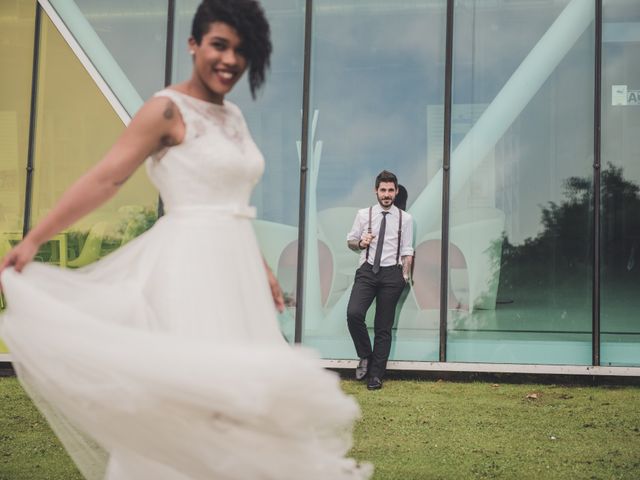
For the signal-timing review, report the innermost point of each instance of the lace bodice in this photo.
(217, 163)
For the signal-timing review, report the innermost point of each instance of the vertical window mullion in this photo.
(32, 122)
(446, 160)
(302, 214)
(595, 333)
(168, 64)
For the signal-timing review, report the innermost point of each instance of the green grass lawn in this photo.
(427, 429)
(28, 448)
(424, 430)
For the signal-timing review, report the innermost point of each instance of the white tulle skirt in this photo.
(164, 360)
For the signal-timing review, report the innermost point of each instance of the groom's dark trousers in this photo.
(386, 287)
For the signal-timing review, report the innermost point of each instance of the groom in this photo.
(383, 235)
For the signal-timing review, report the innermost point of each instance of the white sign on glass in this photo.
(622, 96)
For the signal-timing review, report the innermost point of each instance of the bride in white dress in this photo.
(164, 360)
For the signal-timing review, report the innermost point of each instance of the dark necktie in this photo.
(383, 227)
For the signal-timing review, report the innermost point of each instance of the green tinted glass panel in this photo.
(520, 261)
(17, 21)
(16, 51)
(620, 233)
(377, 88)
(274, 120)
(75, 126)
(121, 35)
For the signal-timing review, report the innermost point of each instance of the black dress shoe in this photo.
(374, 383)
(362, 368)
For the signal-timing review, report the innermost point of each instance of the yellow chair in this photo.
(134, 215)
(92, 246)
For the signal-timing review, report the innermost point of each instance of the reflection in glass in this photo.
(274, 120)
(75, 126)
(377, 89)
(620, 232)
(16, 54)
(125, 40)
(520, 271)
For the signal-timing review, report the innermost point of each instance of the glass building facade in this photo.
(511, 123)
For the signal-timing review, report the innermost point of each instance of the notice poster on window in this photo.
(621, 95)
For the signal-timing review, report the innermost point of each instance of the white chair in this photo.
(474, 259)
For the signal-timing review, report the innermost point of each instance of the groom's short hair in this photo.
(386, 176)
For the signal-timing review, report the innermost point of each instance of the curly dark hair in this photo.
(401, 197)
(248, 19)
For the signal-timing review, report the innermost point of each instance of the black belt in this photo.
(382, 267)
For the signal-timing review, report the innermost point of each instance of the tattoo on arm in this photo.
(407, 263)
(167, 140)
(119, 183)
(168, 110)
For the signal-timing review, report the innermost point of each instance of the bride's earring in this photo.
(192, 52)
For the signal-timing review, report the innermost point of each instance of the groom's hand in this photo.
(276, 291)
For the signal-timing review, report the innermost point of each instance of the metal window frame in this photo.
(595, 369)
(85, 61)
(168, 66)
(446, 166)
(509, 368)
(304, 154)
(35, 67)
(597, 123)
(446, 181)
